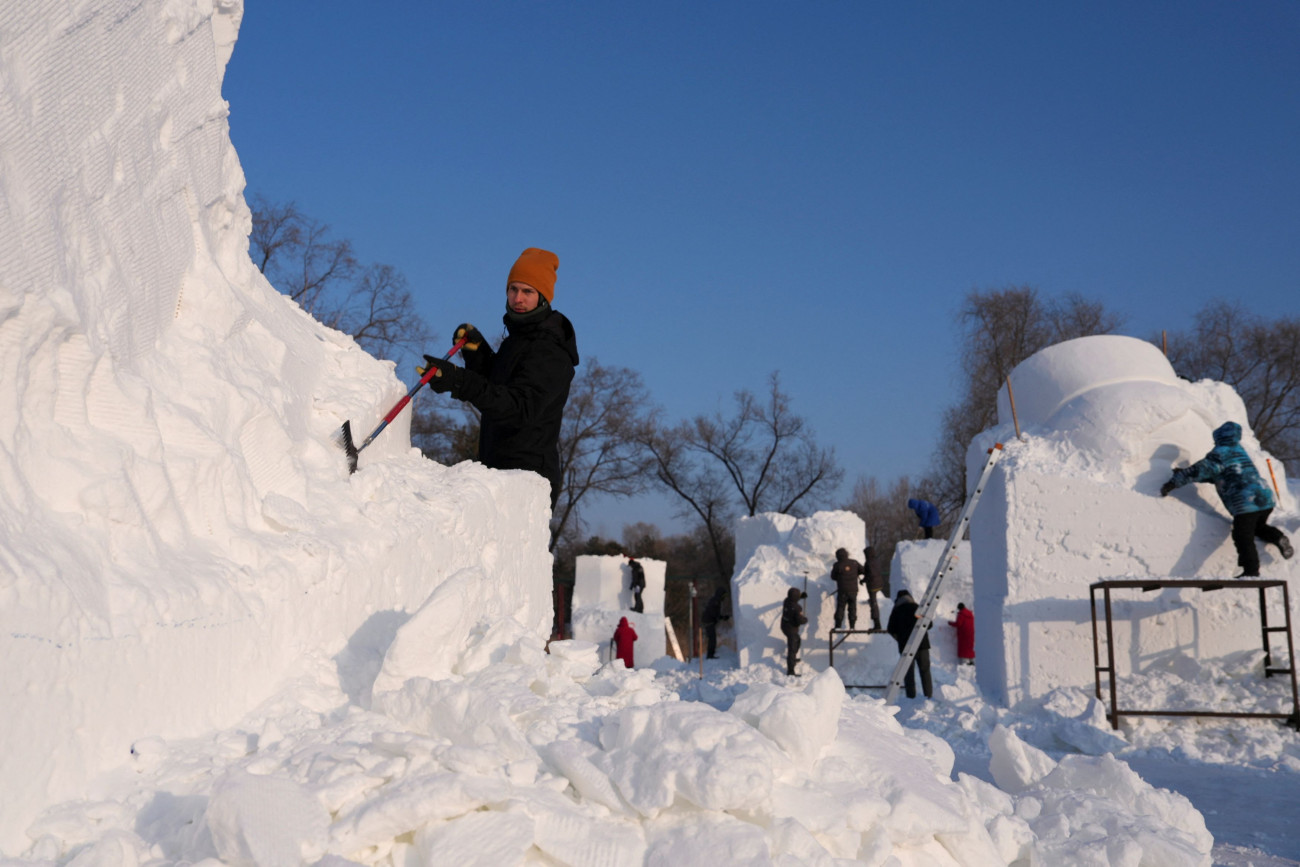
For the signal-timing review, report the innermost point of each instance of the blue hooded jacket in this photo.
(926, 512)
(1230, 469)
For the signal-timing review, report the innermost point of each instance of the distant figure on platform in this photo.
(965, 624)
(845, 574)
(874, 584)
(637, 585)
(1247, 498)
(791, 619)
(927, 514)
(712, 614)
(624, 638)
(901, 622)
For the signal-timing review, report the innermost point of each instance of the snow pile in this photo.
(1076, 501)
(176, 527)
(775, 552)
(524, 757)
(602, 595)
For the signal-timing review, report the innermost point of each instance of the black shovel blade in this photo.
(344, 438)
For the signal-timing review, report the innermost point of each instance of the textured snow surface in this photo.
(176, 527)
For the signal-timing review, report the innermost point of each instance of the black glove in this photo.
(473, 337)
(1167, 487)
(448, 377)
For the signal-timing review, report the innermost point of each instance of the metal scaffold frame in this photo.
(1149, 584)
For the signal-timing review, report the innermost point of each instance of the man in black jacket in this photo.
(874, 584)
(712, 614)
(845, 574)
(521, 388)
(792, 617)
(902, 620)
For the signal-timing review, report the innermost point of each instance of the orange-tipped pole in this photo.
(1273, 476)
(1164, 343)
(1014, 418)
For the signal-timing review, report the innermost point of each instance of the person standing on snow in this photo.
(520, 389)
(902, 620)
(637, 584)
(709, 618)
(965, 624)
(624, 638)
(1248, 499)
(927, 514)
(791, 619)
(874, 585)
(845, 574)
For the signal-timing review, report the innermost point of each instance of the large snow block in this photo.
(775, 552)
(180, 534)
(602, 594)
(1076, 501)
(606, 581)
(597, 625)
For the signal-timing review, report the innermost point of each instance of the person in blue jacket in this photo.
(927, 514)
(1242, 491)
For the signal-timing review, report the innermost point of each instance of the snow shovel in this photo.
(344, 435)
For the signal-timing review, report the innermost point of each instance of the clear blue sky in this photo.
(735, 188)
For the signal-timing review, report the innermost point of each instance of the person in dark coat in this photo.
(521, 388)
(845, 573)
(965, 624)
(792, 618)
(1243, 492)
(927, 514)
(637, 584)
(874, 584)
(902, 620)
(624, 638)
(709, 618)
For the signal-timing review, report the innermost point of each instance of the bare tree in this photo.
(378, 311)
(1001, 328)
(301, 258)
(599, 452)
(762, 458)
(444, 433)
(1259, 358)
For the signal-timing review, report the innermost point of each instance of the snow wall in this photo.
(602, 594)
(177, 530)
(1076, 500)
(775, 552)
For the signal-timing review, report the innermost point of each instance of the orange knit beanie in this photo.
(537, 268)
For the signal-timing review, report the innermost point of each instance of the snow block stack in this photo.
(180, 532)
(602, 594)
(1076, 501)
(775, 552)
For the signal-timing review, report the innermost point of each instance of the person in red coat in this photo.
(965, 624)
(624, 638)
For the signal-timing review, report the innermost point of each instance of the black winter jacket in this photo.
(792, 616)
(520, 390)
(845, 575)
(902, 620)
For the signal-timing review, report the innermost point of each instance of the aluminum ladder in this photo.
(925, 609)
